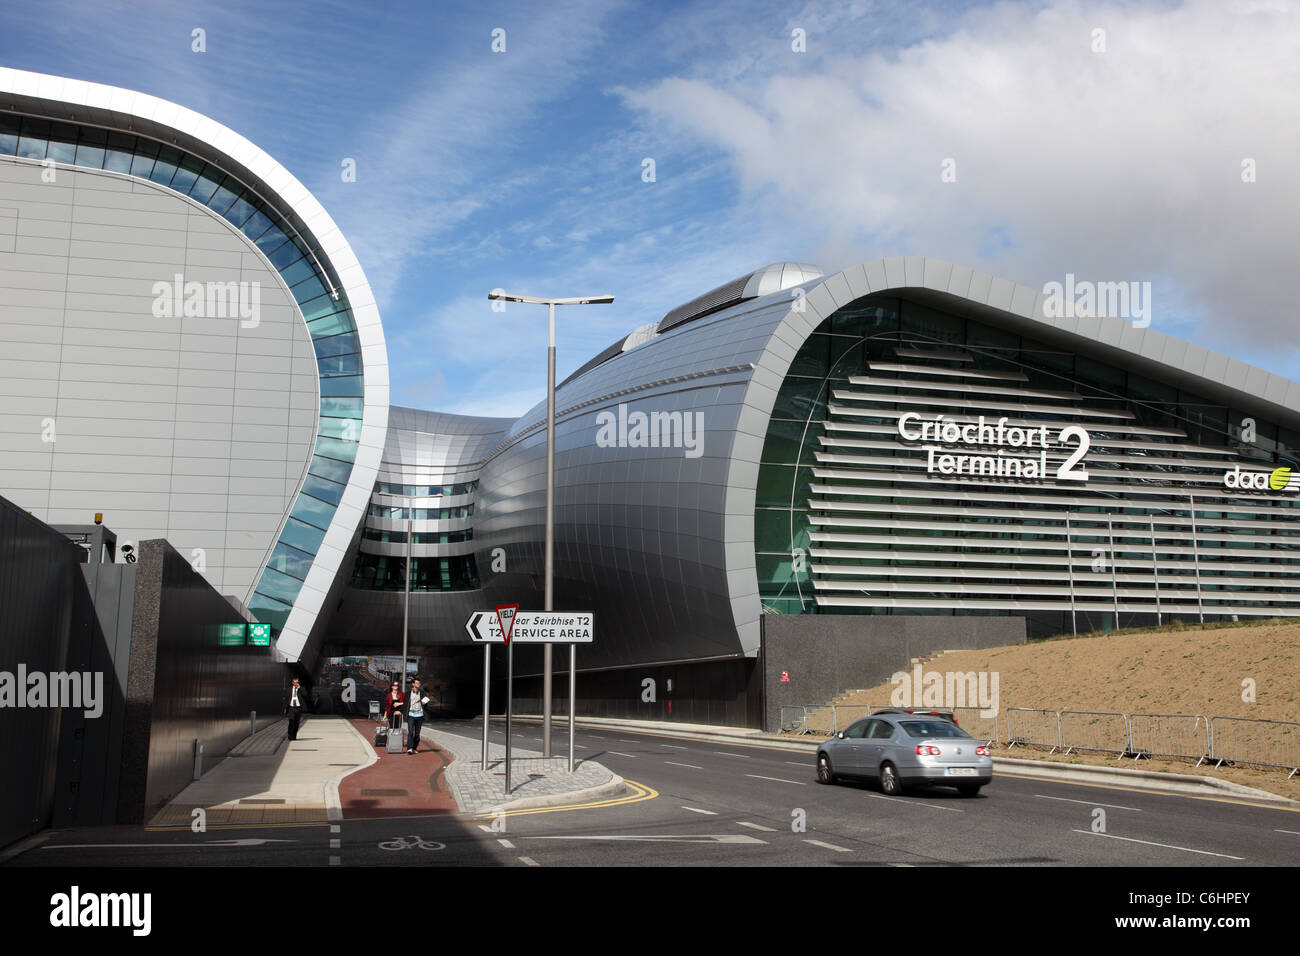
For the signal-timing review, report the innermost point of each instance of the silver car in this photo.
(902, 750)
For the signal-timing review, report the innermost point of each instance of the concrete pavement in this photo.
(269, 779)
(333, 771)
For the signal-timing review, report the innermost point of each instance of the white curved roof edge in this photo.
(296, 197)
(937, 275)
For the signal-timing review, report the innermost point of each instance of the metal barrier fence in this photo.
(1170, 735)
(1217, 740)
(1094, 730)
(971, 720)
(794, 718)
(1030, 727)
(1264, 743)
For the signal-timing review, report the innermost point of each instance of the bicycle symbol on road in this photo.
(410, 843)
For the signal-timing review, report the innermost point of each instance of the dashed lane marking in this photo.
(1089, 803)
(829, 846)
(755, 826)
(507, 844)
(913, 803)
(759, 776)
(725, 754)
(708, 813)
(691, 765)
(621, 754)
(1167, 846)
(528, 861)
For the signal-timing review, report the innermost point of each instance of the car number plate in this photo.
(962, 771)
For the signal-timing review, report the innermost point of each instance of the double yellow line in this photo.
(640, 793)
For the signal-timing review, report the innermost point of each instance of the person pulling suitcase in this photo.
(414, 716)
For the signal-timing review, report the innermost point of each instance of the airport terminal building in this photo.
(907, 442)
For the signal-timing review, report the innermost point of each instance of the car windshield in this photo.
(932, 728)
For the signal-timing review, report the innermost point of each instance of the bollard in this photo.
(198, 757)
(252, 722)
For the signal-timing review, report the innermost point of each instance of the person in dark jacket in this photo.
(393, 705)
(295, 702)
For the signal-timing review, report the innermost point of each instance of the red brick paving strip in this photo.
(420, 775)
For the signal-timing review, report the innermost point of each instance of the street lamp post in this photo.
(499, 295)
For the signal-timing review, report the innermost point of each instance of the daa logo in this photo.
(1279, 479)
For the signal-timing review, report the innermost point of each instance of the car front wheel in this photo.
(890, 784)
(824, 772)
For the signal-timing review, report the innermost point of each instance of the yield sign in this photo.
(506, 618)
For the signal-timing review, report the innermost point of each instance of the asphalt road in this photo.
(708, 804)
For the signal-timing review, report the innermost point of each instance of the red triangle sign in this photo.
(506, 619)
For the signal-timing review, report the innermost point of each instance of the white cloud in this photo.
(1117, 165)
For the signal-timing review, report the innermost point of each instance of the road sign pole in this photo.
(550, 534)
(487, 697)
(506, 614)
(510, 687)
(573, 674)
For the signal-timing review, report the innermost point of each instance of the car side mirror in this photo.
(839, 734)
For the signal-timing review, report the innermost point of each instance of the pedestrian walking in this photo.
(394, 703)
(414, 716)
(294, 705)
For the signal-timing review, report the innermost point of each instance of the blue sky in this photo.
(1113, 160)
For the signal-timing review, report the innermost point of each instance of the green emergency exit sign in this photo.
(259, 635)
(232, 635)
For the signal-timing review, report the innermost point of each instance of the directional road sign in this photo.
(534, 627)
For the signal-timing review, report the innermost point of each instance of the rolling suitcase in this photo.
(395, 740)
(381, 735)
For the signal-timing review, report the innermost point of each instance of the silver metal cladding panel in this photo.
(639, 529)
(169, 426)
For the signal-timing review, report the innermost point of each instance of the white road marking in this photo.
(1089, 803)
(621, 754)
(734, 839)
(627, 741)
(528, 861)
(336, 844)
(482, 826)
(1292, 832)
(336, 829)
(755, 826)
(1167, 846)
(725, 754)
(675, 746)
(707, 813)
(691, 765)
(913, 803)
(334, 861)
(759, 776)
(900, 864)
(597, 736)
(507, 844)
(829, 846)
(800, 763)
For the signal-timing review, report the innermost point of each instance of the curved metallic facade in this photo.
(431, 467)
(51, 123)
(660, 541)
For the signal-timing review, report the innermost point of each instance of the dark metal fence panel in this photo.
(39, 582)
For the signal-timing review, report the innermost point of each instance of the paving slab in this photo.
(536, 781)
(268, 779)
